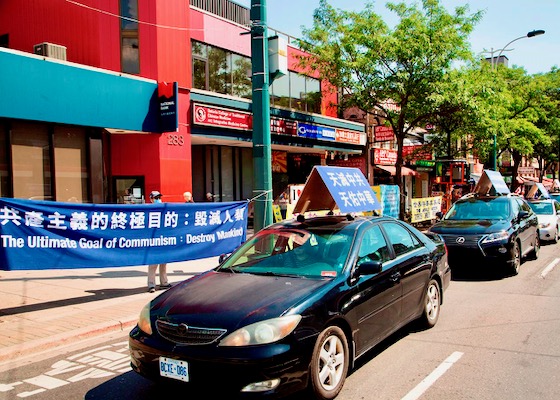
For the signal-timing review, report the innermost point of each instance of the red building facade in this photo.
(164, 42)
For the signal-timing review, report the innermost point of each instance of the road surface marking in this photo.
(434, 376)
(549, 267)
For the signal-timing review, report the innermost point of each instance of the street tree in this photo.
(548, 122)
(392, 69)
(514, 109)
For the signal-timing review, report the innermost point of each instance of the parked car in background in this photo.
(293, 307)
(548, 214)
(496, 230)
(555, 196)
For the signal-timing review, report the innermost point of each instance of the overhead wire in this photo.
(76, 3)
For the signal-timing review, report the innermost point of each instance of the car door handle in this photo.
(395, 277)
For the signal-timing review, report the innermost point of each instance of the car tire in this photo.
(555, 238)
(432, 303)
(534, 254)
(329, 363)
(515, 259)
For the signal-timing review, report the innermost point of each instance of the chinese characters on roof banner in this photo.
(51, 235)
(425, 209)
(349, 189)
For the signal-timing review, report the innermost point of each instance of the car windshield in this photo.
(477, 209)
(292, 252)
(555, 196)
(542, 208)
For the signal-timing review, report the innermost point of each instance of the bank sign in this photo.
(52, 235)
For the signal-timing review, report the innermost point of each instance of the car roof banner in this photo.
(328, 188)
(56, 235)
(491, 180)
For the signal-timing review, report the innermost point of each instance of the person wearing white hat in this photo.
(155, 197)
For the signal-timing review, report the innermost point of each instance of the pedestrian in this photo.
(188, 197)
(155, 197)
(209, 197)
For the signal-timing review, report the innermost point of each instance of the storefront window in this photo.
(280, 92)
(199, 74)
(242, 85)
(313, 95)
(71, 176)
(31, 161)
(130, 56)
(218, 70)
(297, 91)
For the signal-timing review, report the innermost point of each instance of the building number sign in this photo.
(175, 140)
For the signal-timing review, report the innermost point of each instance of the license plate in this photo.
(175, 369)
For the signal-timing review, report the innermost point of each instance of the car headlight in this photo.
(544, 225)
(496, 237)
(144, 320)
(268, 331)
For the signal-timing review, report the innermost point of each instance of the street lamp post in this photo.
(494, 66)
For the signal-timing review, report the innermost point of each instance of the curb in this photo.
(11, 353)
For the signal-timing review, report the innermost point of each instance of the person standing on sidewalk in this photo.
(188, 197)
(155, 197)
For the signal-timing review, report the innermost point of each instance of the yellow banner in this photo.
(425, 209)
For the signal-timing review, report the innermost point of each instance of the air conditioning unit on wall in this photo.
(50, 50)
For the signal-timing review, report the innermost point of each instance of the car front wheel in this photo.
(329, 363)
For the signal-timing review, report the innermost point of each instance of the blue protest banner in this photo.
(52, 235)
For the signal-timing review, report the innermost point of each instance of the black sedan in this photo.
(293, 307)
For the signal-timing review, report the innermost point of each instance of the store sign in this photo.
(526, 171)
(168, 115)
(316, 132)
(384, 156)
(425, 163)
(222, 117)
(412, 153)
(353, 137)
(281, 126)
(54, 235)
(383, 134)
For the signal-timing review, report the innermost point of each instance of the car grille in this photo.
(471, 241)
(184, 334)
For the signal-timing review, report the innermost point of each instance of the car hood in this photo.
(231, 300)
(551, 219)
(470, 227)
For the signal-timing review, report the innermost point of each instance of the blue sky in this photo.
(503, 21)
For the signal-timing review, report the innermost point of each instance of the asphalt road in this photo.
(497, 338)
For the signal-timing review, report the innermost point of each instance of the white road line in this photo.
(434, 376)
(549, 267)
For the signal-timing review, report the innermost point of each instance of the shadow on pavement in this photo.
(102, 294)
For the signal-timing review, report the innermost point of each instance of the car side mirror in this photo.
(369, 268)
(222, 258)
(522, 214)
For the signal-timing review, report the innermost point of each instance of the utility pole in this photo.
(262, 155)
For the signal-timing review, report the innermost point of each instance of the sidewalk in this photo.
(43, 309)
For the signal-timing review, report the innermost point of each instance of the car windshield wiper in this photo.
(270, 273)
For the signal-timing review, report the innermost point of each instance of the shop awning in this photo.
(393, 170)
